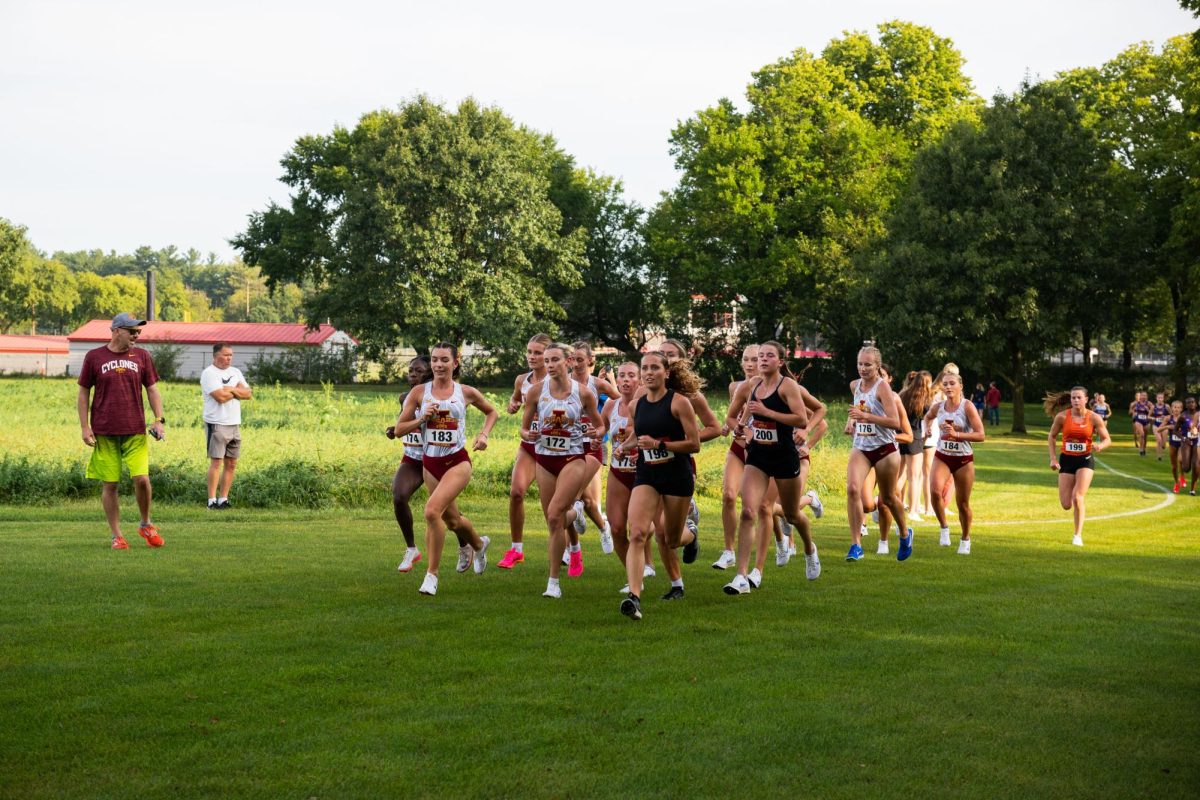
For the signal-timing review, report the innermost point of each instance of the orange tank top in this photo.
(1077, 436)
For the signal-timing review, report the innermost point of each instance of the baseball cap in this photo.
(124, 320)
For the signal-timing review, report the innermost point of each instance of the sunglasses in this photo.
(134, 332)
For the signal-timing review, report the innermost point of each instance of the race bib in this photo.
(535, 425)
(555, 442)
(442, 430)
(659, 455)
(764, 432)
(412, 438)
(1075, 448)
(625, 463)
(951, 446)
(864, 429)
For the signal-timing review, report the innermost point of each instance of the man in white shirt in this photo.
(223, 387)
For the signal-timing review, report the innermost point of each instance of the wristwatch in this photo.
(163, 420)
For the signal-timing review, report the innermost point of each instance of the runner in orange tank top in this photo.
(1074, 463)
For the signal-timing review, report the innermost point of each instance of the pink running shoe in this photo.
(576, 567)
(512, 557)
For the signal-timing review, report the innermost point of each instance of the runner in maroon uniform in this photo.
(116, 429)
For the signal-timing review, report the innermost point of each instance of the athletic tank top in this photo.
(1077, 436)
(767, 432)
(620, 425)
(583, 420)
(1173, 436)
(1161, 412)
(414, 440)
(525, 384)
(1101, 409)
(560, 432)
(445, 432)
(656, 421)
(958, 418)
(1190, 429)
(1141, 412)
(868, 435)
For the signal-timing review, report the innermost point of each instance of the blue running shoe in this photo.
(905, 549)
(855, 553)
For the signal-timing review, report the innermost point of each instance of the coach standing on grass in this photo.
(223, 387)
(117, 429)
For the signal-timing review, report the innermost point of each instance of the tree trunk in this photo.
(1179, 362)
(1086, 332)
(1017, 380)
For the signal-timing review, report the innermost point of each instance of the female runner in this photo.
(1158, 421)
(805, 439)
(917, 399)
(525, 467)
(1100, 406)
(1174, 442)
(960, 425)
(409, 475)
(904, 437)
(664, 431)
(1139, 410)
(618, 419)
(735, 463)
(1188, 429)
(441, 412)
(875, 420)
(558, 405)
(774, 407)
(1075, 465)
(582, 362)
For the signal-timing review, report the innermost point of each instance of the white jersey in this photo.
(560, 432)
(621, 426)
(445, 433)
(414, 440)
(868, 435)
(957, 418)
(525, 385)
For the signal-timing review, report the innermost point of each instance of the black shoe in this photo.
(224, 505)
(213, 505)
(676, 593)
(691, 549)
(632, 607)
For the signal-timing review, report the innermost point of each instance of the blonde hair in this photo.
(872, 350)
(952, 368)
(542, 339)
(567, 350)
(587, 348)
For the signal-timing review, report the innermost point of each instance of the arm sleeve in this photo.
(209, 381)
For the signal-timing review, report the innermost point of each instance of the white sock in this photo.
(519, 547)
(552, 582)
(678, 583)
(574, 548)
(212, 501)
(222, 499)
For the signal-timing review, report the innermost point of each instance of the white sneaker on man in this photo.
(481, 556)
(429, 585)
(606, 542)
(465, 554)
(812, 564)
(781, 553)
(944, 537)
(726, 560)
(964, 547)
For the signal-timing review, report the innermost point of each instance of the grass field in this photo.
(277, 653)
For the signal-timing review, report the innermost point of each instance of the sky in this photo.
(131, 122)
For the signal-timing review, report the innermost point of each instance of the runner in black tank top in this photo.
(770, 446)
(668, 473)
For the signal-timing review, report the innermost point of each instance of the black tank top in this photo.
(656, 420)
(766, 432)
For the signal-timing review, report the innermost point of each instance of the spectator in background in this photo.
(223, 387)
(115, 429)
(977, 398)
(992, 402)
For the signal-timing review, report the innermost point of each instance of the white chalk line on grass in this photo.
(1171, 497)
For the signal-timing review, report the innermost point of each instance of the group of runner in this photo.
(1175, 429)
(918, 441)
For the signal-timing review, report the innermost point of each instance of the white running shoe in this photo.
(580, 518)
(818, 508)
(812, 564)
(781, 553)
(755, 578)
(429, 585)
(567, 556)
(791, 546)
(693, 516)
(481, 556)
(882, 549)
(606, 542)
(863, 530)
(625, 589)
(1077, 541)
(964, 547)
(913, 516)
(739, 585)
(465, 554)
(411, 556)
(726, 560)
(875, 513)
(785, 527)
(553, 590)
(944, 537)
(648, 572)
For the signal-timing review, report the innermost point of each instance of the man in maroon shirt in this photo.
(992, 401)
(116, 431)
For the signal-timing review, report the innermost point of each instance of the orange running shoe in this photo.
(150, 534)
(119, 543)
(512, 557)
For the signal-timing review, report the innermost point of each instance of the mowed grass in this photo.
(278, 653)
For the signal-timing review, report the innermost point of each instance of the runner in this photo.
(904, 438)
(916, 396)
(582, 362)
(525, 467)
(1175, 441)
(664, 424)
(960, 425)
(618, 420)
(1158, 422)
(1075, 465)
(874, 420)
(1188, 429)
(1139, 411)
(735, 463)
(805, 440)
(440, 411)
(558, 404)
(1100, 406)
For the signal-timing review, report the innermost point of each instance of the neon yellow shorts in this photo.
(111, 452)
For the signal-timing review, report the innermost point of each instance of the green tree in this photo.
(52, 296)
(103, 297)
(776, 206)
(421, 224)
(16, 274)
(994, 237)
